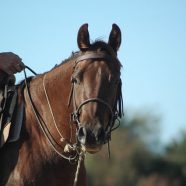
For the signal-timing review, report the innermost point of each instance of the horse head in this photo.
(96, 88)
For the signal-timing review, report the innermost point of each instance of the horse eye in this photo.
(75, 80)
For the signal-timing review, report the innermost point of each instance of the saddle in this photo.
(10, 118)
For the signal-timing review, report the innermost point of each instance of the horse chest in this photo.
(52, 174)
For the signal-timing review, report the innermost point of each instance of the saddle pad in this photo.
(16, 124)
(11, 130)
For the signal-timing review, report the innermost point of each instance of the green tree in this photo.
(176, 151)
(134, 159)
(133, 138)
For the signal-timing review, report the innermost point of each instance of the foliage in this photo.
(134, 161)
(176, 151)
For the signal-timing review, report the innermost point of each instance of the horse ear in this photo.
(115, 37)
(83, 37)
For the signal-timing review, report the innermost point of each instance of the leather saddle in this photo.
(11, 114)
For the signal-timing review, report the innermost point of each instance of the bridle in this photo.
(113, 112)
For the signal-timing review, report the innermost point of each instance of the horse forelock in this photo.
(102, 45)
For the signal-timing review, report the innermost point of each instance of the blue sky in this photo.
(153, 51)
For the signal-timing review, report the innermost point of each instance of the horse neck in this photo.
(57, 85)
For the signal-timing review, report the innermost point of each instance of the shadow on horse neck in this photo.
(70, 108)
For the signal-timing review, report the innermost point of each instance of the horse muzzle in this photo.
(92, 139)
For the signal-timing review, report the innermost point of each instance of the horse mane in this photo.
(71, 57)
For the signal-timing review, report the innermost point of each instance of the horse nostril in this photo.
(101, 135)
(82, 135)
(91, 137)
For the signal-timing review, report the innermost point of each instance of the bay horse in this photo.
(68, 111)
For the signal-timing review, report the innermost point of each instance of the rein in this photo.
(78, 148)
(44, 128)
